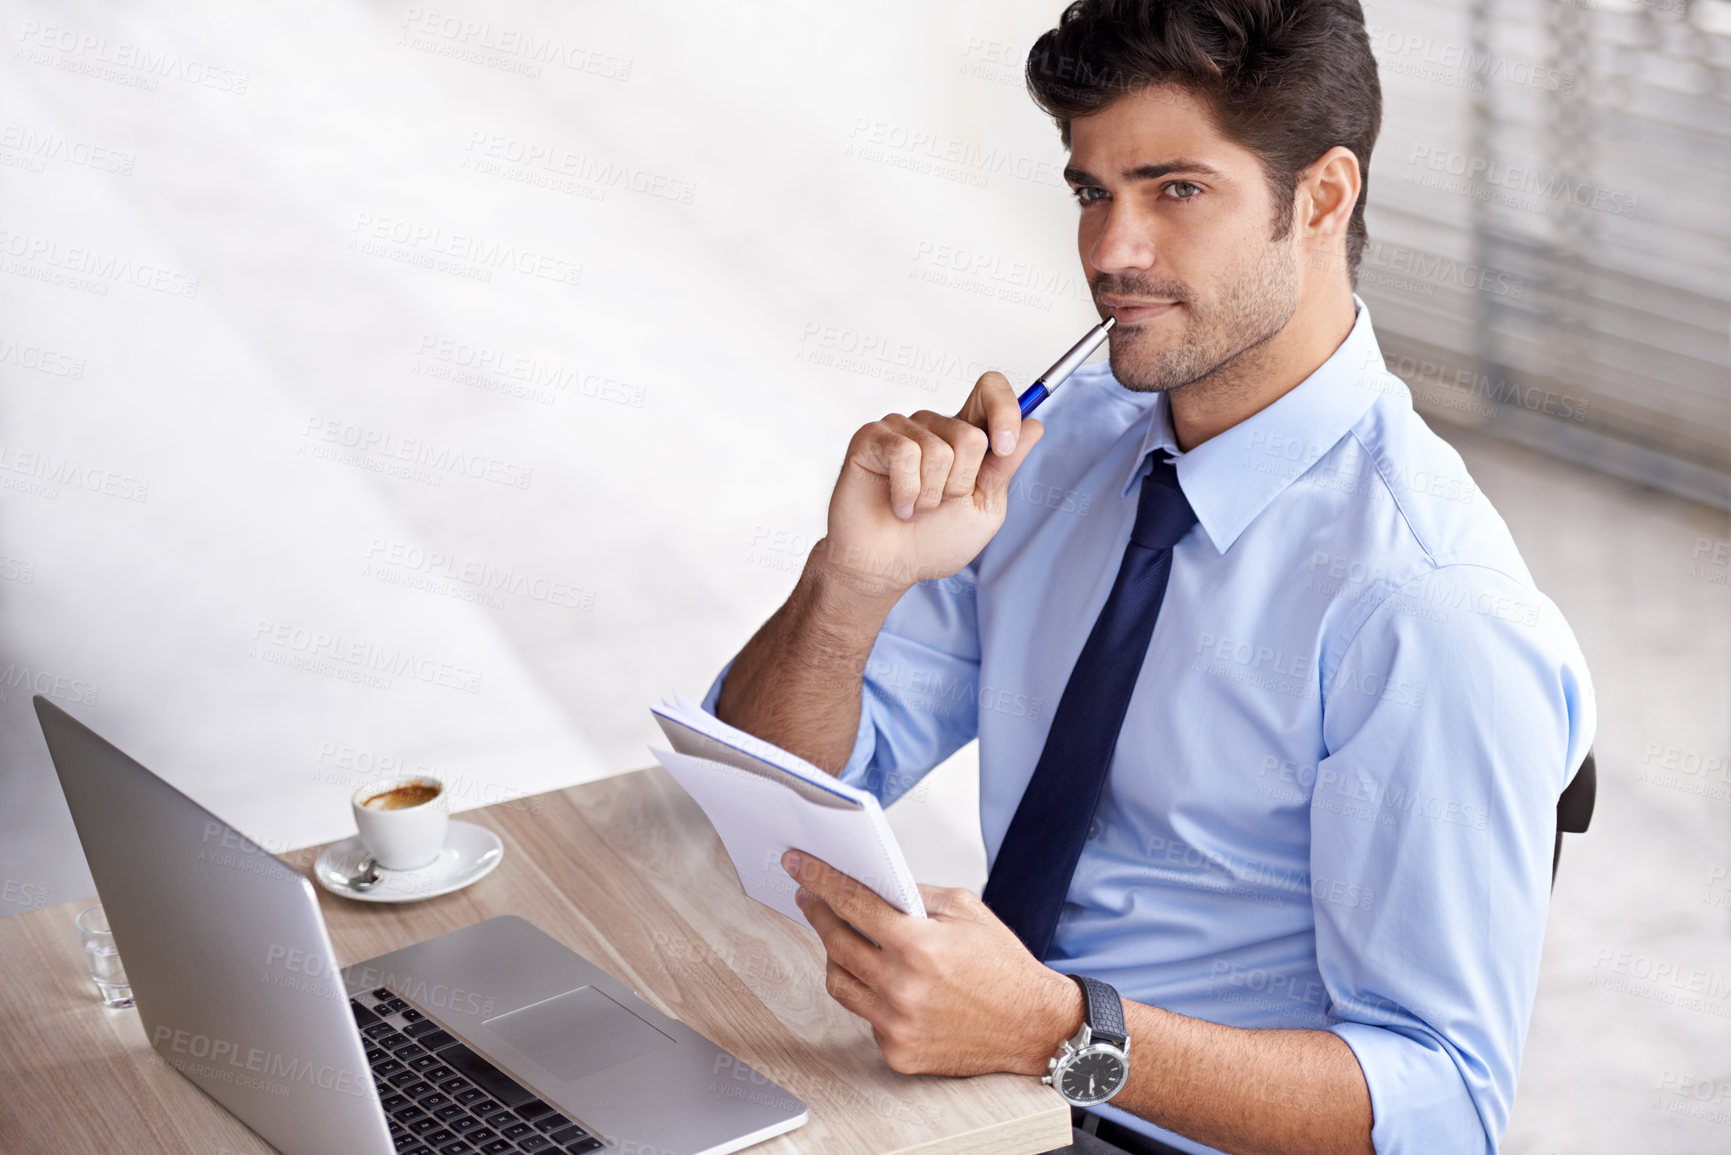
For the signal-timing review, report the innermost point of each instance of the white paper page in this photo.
(759, 820)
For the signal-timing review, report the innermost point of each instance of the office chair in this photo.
(1575, 808)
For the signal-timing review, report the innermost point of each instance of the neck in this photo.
(1264, 373)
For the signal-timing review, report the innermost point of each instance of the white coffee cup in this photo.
(402, 820)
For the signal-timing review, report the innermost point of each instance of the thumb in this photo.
(993, 479)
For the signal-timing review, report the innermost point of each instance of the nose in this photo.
(1122, 240)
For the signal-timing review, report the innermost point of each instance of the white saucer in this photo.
(470, 854)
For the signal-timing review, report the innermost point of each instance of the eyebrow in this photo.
(1146, 172)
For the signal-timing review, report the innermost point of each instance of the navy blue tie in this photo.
(1031, 874)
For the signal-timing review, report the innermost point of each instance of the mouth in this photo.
(1132, 312)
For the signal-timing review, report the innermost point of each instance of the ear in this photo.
(1327, 192)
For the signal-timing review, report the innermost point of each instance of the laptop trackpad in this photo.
(577, 1033)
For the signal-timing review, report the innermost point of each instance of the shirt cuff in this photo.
(864, 741)
(1418, 1100)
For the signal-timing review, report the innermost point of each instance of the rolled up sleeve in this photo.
(919, 701)
(1452, 722)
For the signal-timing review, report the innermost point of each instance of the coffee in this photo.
(402, 797)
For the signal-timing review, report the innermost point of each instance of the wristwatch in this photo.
(1094, 1063)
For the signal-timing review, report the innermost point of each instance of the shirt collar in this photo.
(1231, 478)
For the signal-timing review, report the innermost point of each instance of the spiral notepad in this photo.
(764, 801)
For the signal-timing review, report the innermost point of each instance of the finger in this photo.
(941, 901)
(995, 472)
(968, 444)
(846, 989)
(841, 942)
(936, 456)
(881, 449)
(847, 897)
(954, 903)
(1001, 414)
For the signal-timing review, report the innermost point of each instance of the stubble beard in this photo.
(1222, 335)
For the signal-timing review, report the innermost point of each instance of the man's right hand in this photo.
(920, 496)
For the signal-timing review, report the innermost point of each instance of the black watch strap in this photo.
(1105, 1010)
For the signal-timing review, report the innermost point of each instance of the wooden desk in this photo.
(627, 872)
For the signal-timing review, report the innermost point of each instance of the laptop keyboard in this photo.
(443, 1098)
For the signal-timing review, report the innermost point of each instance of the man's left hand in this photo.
(955, 993)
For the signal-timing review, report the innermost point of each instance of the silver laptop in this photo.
(493, 1038)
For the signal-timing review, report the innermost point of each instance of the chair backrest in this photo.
(1575, 807)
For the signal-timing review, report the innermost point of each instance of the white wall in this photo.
(239, 205)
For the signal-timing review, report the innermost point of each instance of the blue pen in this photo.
(1067, 364)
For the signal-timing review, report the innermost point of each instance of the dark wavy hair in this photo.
(1287, 79)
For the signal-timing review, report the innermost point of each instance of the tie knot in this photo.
(1163, 513)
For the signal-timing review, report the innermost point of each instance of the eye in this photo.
(1084, 194)
(1184, 190)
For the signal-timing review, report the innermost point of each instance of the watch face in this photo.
(1092, 1076)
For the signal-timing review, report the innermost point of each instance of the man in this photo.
(1272, 719)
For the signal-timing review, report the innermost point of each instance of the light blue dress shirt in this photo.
(1333, 799)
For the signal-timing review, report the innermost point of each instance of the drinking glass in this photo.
(103, 959)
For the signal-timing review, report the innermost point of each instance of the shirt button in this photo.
(1093, 830)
